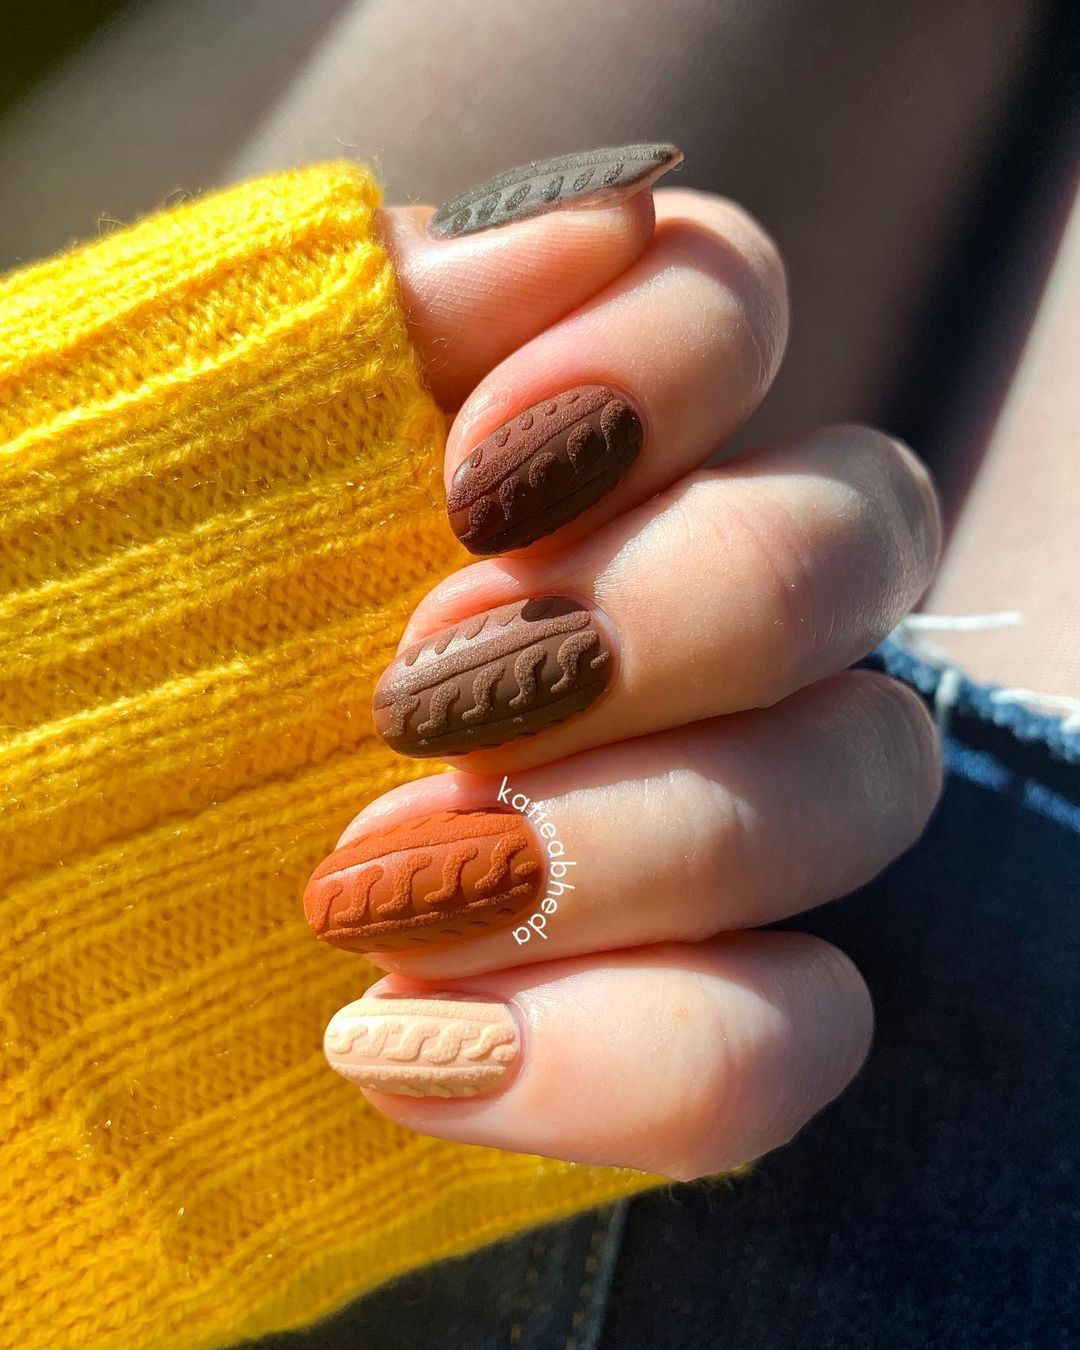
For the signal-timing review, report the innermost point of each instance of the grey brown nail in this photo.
(594, 176)
(508, 672)
(535, 473)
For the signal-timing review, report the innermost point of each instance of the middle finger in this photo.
(669, 360)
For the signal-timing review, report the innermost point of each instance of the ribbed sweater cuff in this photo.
(220, 487)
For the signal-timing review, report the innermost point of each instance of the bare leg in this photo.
(1016, 543)
(855, 132)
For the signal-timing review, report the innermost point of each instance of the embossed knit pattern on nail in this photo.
(423, 1047)
(537, 472)
(548, 184)
(508, 672)
(445, 876)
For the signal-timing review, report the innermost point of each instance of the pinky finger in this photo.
(679, 1060)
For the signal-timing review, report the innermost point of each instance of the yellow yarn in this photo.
(219, 499)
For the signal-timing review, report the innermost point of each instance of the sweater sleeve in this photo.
(221, 496)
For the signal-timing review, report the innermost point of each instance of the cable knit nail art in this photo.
(499, 675)
(543, 468)
(438, 1046)
(438, 878)
(589, 178)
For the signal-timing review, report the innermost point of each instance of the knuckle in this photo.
(841, 982)
(686, 524)
(764, 260)
(700, 1107)
(690, 511)
(760, 544)
(757, 1097)
(729, 220)
(793, 620)
(717, 854)
(722, 240)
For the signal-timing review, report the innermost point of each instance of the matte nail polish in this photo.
(507, 672)
(442, 1045)
(593, 177)
(540, 470)
(438, 878)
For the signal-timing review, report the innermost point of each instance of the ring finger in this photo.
(678, 836)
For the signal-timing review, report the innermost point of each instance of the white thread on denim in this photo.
(908, 632)
(960, 623)
(1050, 703)
(945, 695)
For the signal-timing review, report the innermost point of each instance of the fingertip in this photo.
(846, 1001)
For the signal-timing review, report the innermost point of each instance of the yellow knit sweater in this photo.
(219, 498)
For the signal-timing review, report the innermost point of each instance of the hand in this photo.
(705, 761)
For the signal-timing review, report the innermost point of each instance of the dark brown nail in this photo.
(449, 875)
(508, 672)
(545, 185)
(542, 469)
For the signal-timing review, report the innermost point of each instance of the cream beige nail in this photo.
(439, 1046)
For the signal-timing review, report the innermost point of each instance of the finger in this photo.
(673, 356)
(678, 1060)
(729, 592)
(472, 301)
(730, 823)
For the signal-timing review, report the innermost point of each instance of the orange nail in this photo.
(437, 878)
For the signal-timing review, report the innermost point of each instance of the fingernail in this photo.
(438, 878)
(592, 177)
(443, 1045)
(539, 471)
(508, 672)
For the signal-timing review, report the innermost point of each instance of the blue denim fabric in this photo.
(937, 1204)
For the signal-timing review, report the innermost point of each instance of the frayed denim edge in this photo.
(950, 694)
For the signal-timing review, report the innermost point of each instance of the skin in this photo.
(735, 774)
(1014, 542)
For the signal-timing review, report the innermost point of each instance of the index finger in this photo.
(629, 393)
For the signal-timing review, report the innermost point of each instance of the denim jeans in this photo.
(937, 1203)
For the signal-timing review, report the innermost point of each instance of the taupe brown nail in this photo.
(537, 472)
(593, 177)
(508, 672)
